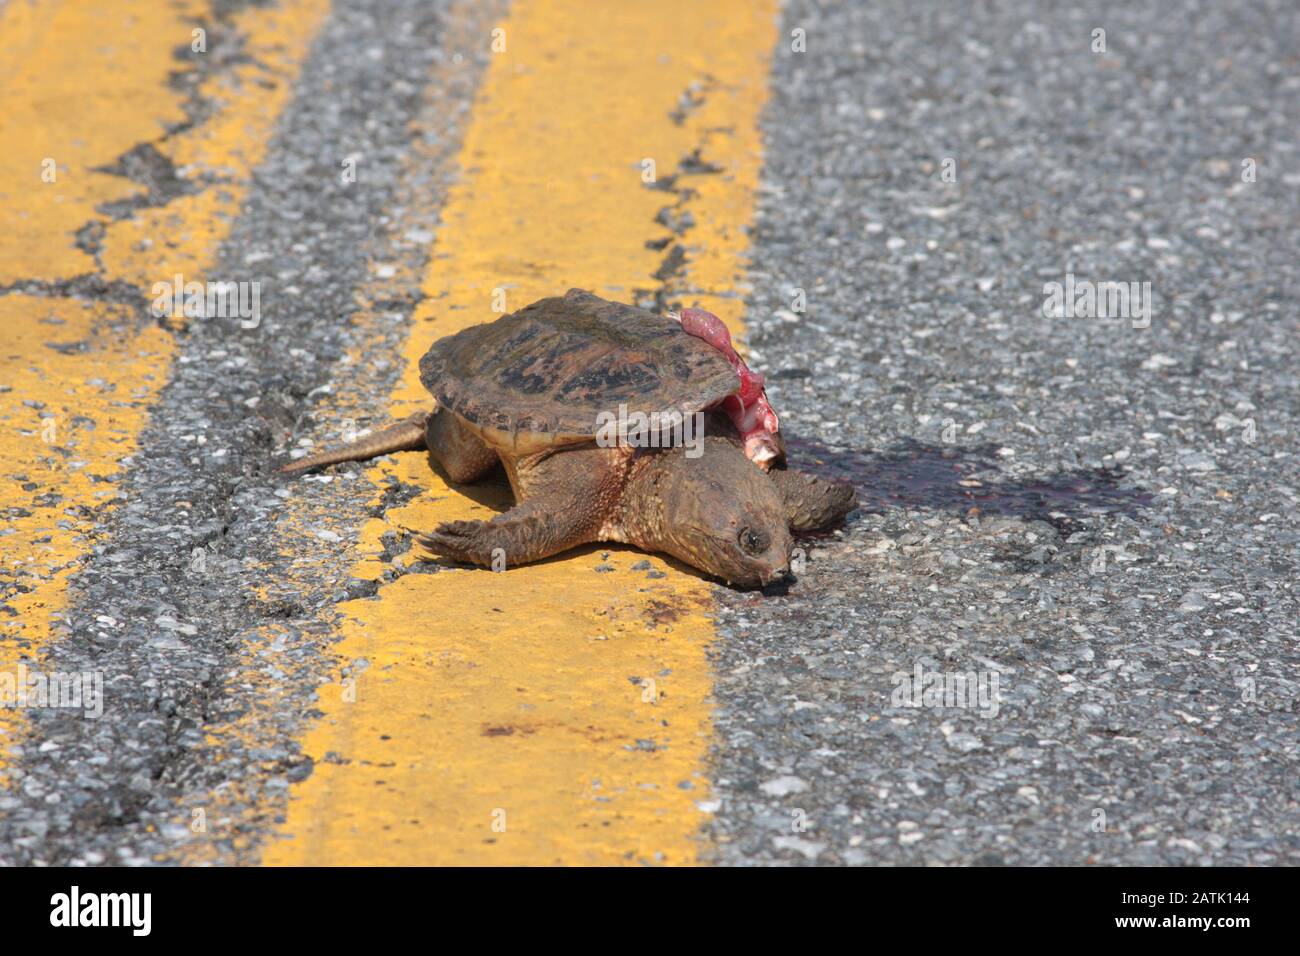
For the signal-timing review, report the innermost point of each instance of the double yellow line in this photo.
(84, 83)
(555, 713)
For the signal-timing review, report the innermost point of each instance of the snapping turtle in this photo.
(613, 424)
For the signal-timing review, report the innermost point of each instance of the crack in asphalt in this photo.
(225, 47)
(146, 166)
(677, 219)
(89, 286)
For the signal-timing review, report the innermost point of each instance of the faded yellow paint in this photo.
(84, 82)
(511, 718)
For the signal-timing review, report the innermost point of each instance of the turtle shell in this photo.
(542, 376)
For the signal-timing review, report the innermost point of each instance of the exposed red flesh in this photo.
(748, 409)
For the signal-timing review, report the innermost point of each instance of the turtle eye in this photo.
(753, 542)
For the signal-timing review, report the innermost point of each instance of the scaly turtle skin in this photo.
(529, 390)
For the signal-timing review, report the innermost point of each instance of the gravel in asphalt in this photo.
(1102, 516)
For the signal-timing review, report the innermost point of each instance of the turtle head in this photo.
(717, 511)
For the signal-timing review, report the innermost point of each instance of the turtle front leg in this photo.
(564, 499)
(528, 532)
(813, 503)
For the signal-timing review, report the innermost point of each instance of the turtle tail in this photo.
(406, 435)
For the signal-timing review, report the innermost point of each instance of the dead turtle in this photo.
(562, 393)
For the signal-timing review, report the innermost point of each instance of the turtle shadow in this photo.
(913, 475)
(909, 475)
(492, 490)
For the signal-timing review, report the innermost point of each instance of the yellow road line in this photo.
(85, 82)
(551, 713)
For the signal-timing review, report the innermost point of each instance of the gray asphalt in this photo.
(1148, 700)
(1102, 516)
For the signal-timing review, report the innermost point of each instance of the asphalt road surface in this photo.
(1061, 629)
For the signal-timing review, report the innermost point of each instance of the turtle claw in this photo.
(523, 534)
(458, 540)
